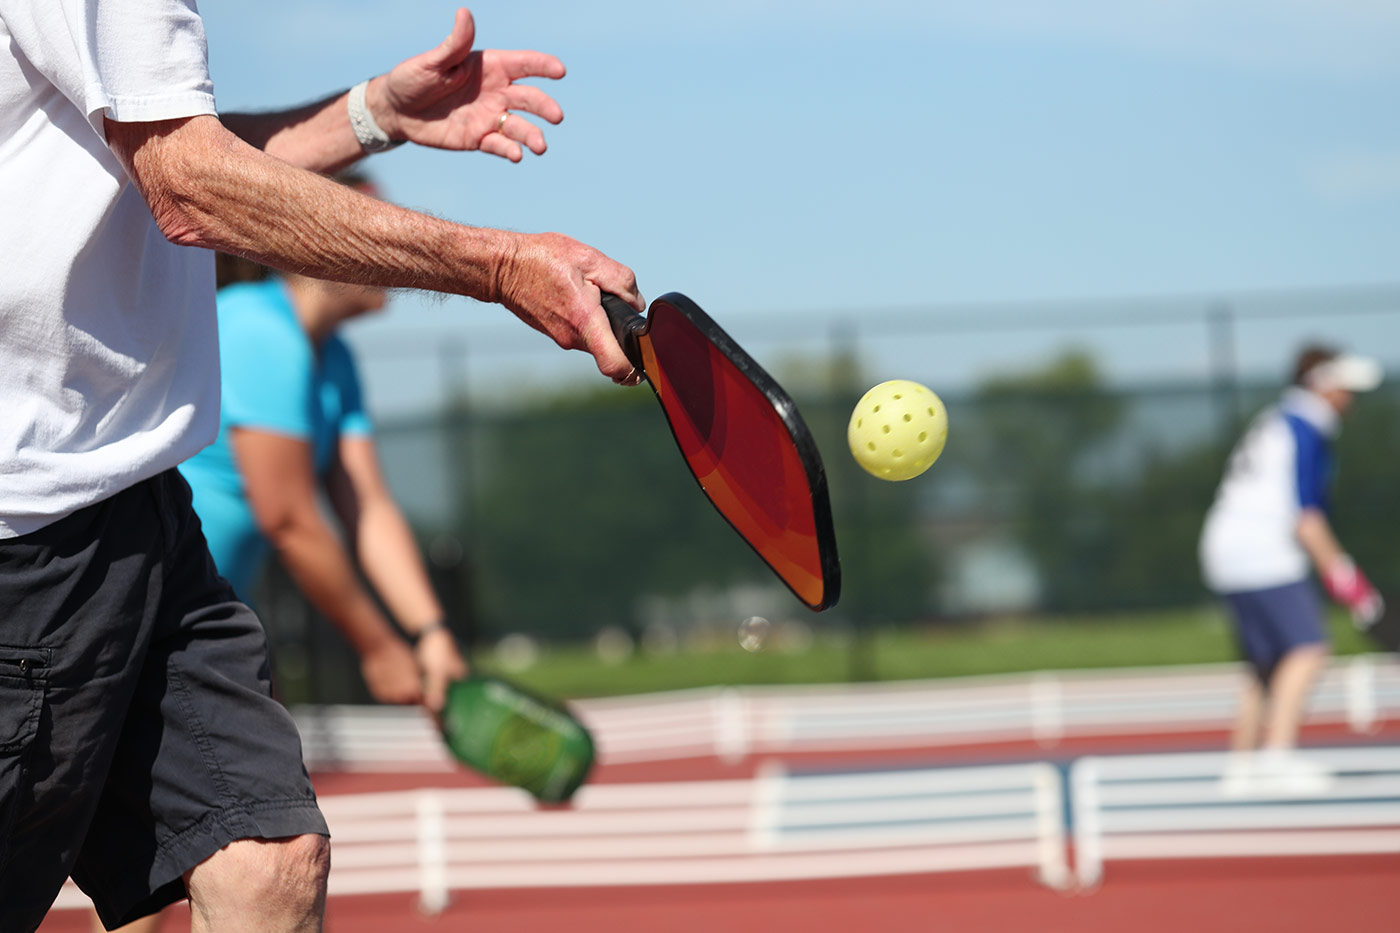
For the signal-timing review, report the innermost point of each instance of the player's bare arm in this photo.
(281, 487)
(1315, 534)
(1340, 576)
(450, 97)
(384, 545)
(455, 98)
(208, 188)
(390, 559)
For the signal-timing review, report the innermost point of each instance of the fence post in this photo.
(432, 852)
(731, 729)
(766, 805)
(1360, 680)
(1088, 830)
(854, 503)
(1220, 321)
(1050, 826)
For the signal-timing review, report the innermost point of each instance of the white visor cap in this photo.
(1345, 371)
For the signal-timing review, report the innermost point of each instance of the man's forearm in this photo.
(208, 188)
(315, 136)
(1314, 533)
(317, 561)
(391, 561)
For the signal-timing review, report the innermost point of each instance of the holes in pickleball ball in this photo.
(895, 431)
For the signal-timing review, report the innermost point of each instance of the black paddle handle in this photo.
(627, 326)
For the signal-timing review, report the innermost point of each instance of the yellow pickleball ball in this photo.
(898, 429)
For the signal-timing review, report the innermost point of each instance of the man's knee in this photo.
(306, 858)
(290, 872)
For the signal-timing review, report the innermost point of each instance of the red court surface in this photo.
(1340, 893)
(1347, 894)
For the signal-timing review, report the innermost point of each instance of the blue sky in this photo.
(789, 161)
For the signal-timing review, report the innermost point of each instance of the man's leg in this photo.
(147, 924)
(255, 885)
(261, 886)
(206, 758)
(1289, 688)
(1249, 717)
(1298, 630)
(1252, 638)
(78, 600)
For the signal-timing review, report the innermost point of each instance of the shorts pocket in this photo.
(23, 677)
(23, 674)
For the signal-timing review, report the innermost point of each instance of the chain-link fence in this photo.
(1058, 492)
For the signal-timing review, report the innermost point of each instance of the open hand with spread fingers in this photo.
(454, 97)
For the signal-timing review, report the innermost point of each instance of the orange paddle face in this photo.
(743, 440)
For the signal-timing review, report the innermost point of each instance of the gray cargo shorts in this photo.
(138, 733)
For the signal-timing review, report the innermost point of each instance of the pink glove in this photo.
(1348, 585)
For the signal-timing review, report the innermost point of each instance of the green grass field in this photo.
(992, 647)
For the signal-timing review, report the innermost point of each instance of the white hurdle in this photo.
(1317, 802)
(783, 826)
(776, 827)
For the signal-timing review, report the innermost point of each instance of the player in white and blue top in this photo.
(1266, 530)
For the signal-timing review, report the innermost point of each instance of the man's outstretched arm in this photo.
(207, 188)
(449, 97)
(1340, 576)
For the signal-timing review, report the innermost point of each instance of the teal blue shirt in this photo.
(273, 379)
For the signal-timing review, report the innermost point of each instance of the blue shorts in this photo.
(138, 734)
(1270, 623)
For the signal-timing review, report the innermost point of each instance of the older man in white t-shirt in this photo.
(140, 749)
(1268, 528)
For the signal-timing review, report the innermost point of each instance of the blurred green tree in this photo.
(1110, 525)
(1039, 444)
(580, 507)
(1366, 496)
(1152, 524)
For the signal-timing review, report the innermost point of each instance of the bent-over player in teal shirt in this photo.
(294, 433)
(274, 379)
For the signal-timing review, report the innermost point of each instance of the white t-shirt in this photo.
(1282, 465)
(108, 348)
